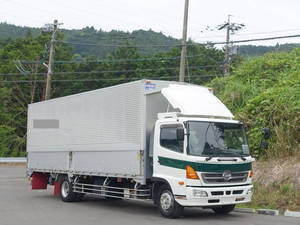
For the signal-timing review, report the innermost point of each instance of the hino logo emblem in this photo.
(227, 175)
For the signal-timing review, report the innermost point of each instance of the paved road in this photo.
(21, 206)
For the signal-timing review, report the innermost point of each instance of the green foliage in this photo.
(257, 50)
(14, 96)
(265, 92)
(12, 142)
(138, 37)
(275, 196)
(100, 37)
(8, 31)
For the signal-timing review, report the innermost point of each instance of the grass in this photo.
(274, 196)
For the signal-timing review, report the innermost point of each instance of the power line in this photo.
(109, 60)
(268, 32)
(179, 45)
(249, 34)
(104, 79)
(108, 38)
(118, 45)
(251, 40)
(117, 38)
(106, 71)
(149, 59)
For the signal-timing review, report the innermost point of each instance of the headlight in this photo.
(199, 193)
(250, 191)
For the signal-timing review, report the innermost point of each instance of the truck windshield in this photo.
(217, 139)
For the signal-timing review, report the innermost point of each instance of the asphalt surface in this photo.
(19, 205)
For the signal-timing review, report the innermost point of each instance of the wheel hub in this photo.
(166, 201)
(65, 189)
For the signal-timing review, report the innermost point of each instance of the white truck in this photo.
(175, 144)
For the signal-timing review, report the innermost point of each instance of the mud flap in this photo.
(56, 190)
(39, 181)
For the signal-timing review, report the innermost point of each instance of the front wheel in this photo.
(167, 205)
(224, 209)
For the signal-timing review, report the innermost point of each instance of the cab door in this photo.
(168, 155)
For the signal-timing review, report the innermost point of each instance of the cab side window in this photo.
(168, 138)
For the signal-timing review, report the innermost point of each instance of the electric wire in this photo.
(255, 39)
(119, 45)
(249, 34)
(107, 71)
(110, 60)
(106, 79)
(180, 45)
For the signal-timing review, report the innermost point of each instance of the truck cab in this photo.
(201, 153)
(206, 162)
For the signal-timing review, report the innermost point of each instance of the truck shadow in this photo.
(145, 209)
(149, 209)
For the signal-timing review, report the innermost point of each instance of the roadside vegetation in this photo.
(275, 196)
(277, 184)
(265, 92)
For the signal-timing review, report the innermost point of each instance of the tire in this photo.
(224, 209)
(79, 197)
(113, 199)
(167, 205)
(66, 191)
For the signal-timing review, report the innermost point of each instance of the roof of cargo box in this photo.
(195, 100)
(190, 99)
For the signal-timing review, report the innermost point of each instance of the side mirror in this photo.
(180, 133)
(266, 133)
(246, 127)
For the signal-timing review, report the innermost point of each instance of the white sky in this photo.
(261, 17)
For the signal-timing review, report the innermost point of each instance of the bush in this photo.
(265, 92)
(275, 196)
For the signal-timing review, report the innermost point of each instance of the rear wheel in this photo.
(224, 209)
(167, 205)
(79, 197)
(66, 192)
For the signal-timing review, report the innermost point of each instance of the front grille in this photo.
(218, 178)
(235, 192)
(217, 193)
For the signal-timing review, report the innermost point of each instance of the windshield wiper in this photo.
(243, 158)
(239, 155)
(208, 158)
(213, 148)
(225, 152)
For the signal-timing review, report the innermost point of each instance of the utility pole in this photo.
(227, 60)
(51, 61)
(231, 28)
(184, 37)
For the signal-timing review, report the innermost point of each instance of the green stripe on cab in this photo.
(204, 167)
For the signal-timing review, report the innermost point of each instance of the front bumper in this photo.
(216, 196)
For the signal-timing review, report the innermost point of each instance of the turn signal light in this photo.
(191, 173)
(251, 173)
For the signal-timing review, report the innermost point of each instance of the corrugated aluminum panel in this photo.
(89, 121)
(98, 131)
